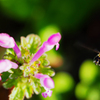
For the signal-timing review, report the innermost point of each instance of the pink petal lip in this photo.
(5, 65)
(6, 41)
(57, 46)
(44, 94)
(45, 81)
(54, 39)
(48, 83)
(47, 93)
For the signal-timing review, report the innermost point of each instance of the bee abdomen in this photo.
(97, 60)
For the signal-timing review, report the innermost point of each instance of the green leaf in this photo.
(5, 76)
(24, 42)
(17, 93)
(35, 84)
(35, 43)
(22, 9)
(15, 73)
(47, 71)
(28, 90)
(9, 83)
(25, 54)
(11, 51)
(25, 69)
(44, 60)
(37, 90)
(32, 42)
(9, 56)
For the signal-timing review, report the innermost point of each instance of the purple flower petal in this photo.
(47, 45)
(47, 93)
(44, 94)
(37, 55)
(6, 41)
(16, 49)
(0, 78)
(14, 65)
(54, 39)
(57, 46)
(47, 83)
(5, 65)
(38, 75)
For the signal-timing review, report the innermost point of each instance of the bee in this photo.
(96, 59)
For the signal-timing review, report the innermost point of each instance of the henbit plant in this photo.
(25, 66)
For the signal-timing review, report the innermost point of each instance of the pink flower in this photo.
(47, 83)
(5, 65)
(16, 49)
(47, 45)
(7, 41)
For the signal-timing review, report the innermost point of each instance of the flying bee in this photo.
(96, 59)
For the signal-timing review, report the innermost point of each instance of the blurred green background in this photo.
(78, 21)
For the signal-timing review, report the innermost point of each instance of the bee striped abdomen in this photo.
(97, 59)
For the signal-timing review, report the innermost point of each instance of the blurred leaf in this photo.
(88, 72)
(28, 90)
(94, 93)
(5, 76)
(17, 93)
(35, 84)
(55, 59)
(24, 42)
(9, 56)
(25, 54)
(21, 8)
(47, 31)
(9, 83)
(81, 91)
(47, 70)
(44, 60)
(37, 90)
(15, 73)
(10, 51)
(63, 82)
(33, 42)
(25, 70)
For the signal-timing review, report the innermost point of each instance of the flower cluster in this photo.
(26, 63)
